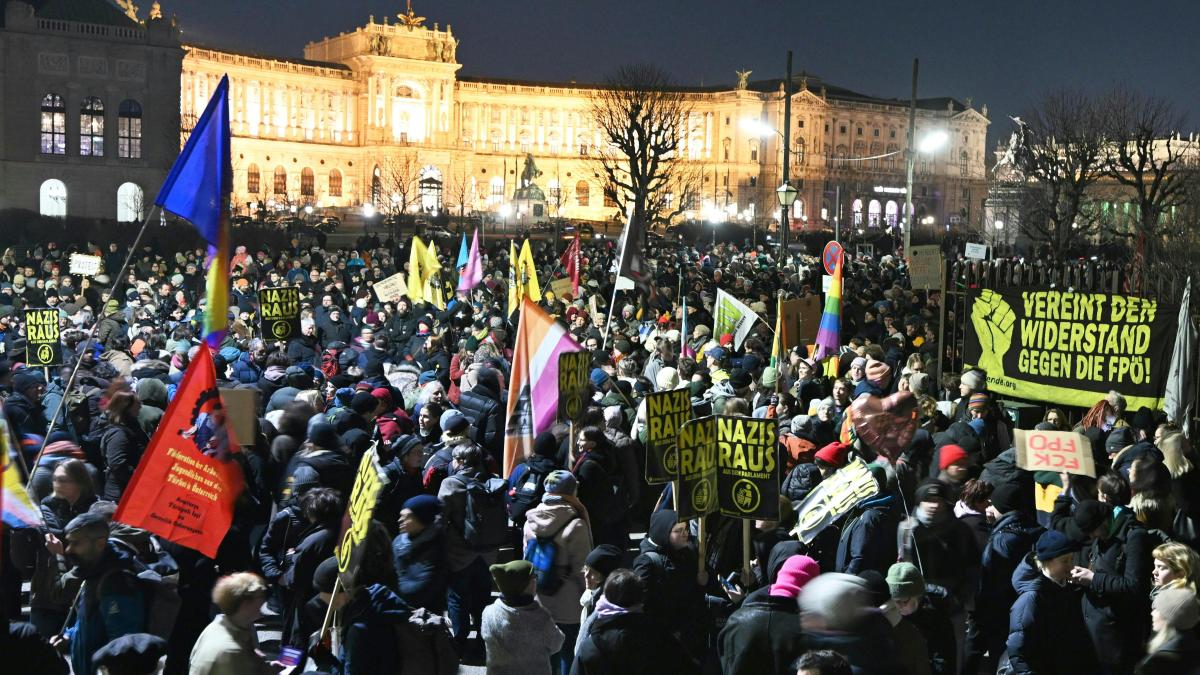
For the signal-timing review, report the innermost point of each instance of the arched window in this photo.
(874, 209)
(253, 179)
(582, 193)
(91, 127)
(430, 188)
(54, 125)
(798, 210)
(306, 182)
(554, 193)
(754, 149)
(280, 180)
(129, 130)
(856, 209)
(890, 211)
(335, 183)
(52, 199)
(963, 164)
(496, 194)
(800, 152)
(130, 203)
(376, 187)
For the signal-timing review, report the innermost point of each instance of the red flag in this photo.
(570, 261)
(186, 484)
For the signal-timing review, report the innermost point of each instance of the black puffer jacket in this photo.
(122, 447)
(1046, 632)
(630, 644)
(762, 636)
(483, 408)
(1116, 606)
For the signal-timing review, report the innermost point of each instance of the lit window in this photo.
(252, 179)
(306, 182)
(130, 203)
(52, 199)
(335, 183)
(280, 180)
(582, 193)
(129, 130)
(91, 127)
(54, 125)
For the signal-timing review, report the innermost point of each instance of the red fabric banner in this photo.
(186, 484)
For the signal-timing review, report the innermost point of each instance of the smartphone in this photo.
(731, 580)
(290, 656)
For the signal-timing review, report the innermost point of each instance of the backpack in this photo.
(612, 504)
(526, 495)
(329, 363)
(82, 406)
(426, 645)
(542, 552)
(485, 524)
(159, 586)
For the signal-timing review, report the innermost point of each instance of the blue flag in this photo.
(202, 176)
(464, 254)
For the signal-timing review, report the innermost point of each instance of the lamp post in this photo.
(786, 194)
(909, 161)
(505, 212)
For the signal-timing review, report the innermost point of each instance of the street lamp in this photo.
(505, 212)
(929, 144)
(786, 194)
(368, 210)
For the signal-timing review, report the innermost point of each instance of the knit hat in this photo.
(382, 394)
(919, 383)
(1118, 440)
(770, 376)
(841, 600)
(560, 482)
(951, 454)
(325, 576)
(973, 379)
(1053, 543)
(1011, 496)
(363, 403)
(26, 378)
(512, 579)
(405, 444)
(1178, 608)
(425, 508)
(605, 558)
(667, 379)
(931, 489)
(453, 421)
(904, 580)
(546, 445)
(858, 362)
(797, 571)
(834, 454)
(740, 379)
(879, 373)
(978, 401)
(1089, 515)
(726, 340)
(977, 425)
(324, 435)
(877, 587)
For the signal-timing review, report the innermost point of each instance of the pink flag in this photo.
(472, 273)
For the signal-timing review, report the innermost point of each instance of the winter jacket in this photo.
(673, 596)
(762, 636)
(1012, 538)
(25, 416)
(421, 568)
(870, 646)
(800, 481)
(868, 541)
(1046, 632)
(122, 447)
(49, 589)
(111, 605)
(317, 467)
(245, 370)
(1179, 655)
(224, 647)
(453, 495)
(573, 539)
(946, 550)
(483, 408)
(286, 530)
(519, 639)
(630, 643)
(1116, 605)
(302, 350)
(371, 619)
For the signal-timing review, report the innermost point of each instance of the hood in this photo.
(275, 374)
(780, 552)
(114, 556)
(1027, 576)
(549, 519)
(152, 392)
(659, 531)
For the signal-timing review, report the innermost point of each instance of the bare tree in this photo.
(1145, 155)
(399, 183)
(459, 191)
(1059, 146)
(643, 121)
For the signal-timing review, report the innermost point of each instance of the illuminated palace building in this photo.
(380, 116)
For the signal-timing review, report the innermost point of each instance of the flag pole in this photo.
(116, 282)
(611, 306)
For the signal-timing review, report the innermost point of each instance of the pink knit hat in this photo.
(797, 571)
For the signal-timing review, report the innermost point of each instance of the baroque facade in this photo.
(91, 114)
(379, 116)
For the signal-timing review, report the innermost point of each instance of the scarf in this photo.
(570, 500)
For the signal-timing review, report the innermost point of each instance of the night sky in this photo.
(1003, 54)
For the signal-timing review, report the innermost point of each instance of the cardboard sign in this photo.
(85, 265)
(187, 482)
(801, 318)
(562, 288)
(747, 468)
(574, 386)
(279, 312)
(976, 251)
(42, 344)
(925, 267)
(242, 405)
(696, 445)
(1058, 451)
(666, 413)
(357, 522)
(392, 288)
(834, 498)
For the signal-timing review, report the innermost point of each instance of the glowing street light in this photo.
(933, 141)
(368, 210)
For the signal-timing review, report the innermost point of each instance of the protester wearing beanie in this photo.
(667, 567)
(1175, 647)
(763, 635)
(321, 462)
(1047, 630)
(561, 519)
(953, 465)
(518, 632)
(833, 456)
(526, 483)
(420, 554)
(836, 613)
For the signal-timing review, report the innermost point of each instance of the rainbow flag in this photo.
(18, 509)
(829, 332)
(533, 384)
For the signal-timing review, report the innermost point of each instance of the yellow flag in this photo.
(527, 274)
(417, 255)
(514, 292)
(431, 272)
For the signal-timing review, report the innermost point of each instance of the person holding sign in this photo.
(675, 594)
(1047, 633)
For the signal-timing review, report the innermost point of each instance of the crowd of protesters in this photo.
(961, 562)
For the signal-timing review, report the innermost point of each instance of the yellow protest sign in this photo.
(368, 482)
